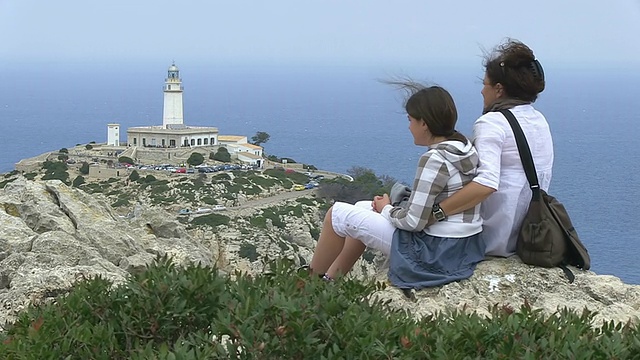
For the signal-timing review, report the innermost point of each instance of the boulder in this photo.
(509, 282)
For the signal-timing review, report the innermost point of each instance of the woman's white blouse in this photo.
(500, 168)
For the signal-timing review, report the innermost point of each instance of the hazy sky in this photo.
(410, 32)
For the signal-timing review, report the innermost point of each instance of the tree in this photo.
(222, 155)
(260, 137)
(63, 150)
(88, 147)
(84, 168)
(195, 159)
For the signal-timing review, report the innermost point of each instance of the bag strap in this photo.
(525, 152)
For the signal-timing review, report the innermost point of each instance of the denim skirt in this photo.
(418, 260)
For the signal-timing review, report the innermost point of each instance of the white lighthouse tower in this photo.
(172, 116)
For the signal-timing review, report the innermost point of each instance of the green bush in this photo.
(262, 181)
(88, 147)
(195, 159)
(120, 202)
(84, 168)
(167, 312)
(248, 251)
(30, 176)
(5, 182)
(221, 177)
(134, 176)
(64, 151)
(148, 179)
(212, 220)
(306, 201)
(274, 215)
(126, 160)
(294, 176)
(55, 170)
(79, 180)
(222, 155)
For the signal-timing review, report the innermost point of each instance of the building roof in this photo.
(251, 146)
(231, 138)
(249, 155)
(159, 129)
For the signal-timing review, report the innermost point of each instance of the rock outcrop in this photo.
(509, 282)
(52, 235)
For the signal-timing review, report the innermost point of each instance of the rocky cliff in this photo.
(52, 235)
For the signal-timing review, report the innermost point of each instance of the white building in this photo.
(113, 134)
(173, 132)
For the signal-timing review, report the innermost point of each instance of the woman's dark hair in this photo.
(513, 65)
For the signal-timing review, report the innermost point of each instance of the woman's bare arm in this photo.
(469, 196)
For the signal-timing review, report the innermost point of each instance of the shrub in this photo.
(221, 177)
(120, 202)
(5, 182)
(167, 312)
(30, 176)
(64, 151)
(84, 168)
(248, 251)
(222, 155)
(212, 220)
(148, 179)
(306, 201)
(294, 176)
(79, 180)
(126, 160)
(273, 214)
(55, 170)
(258, 221)
(88, 147)
(195, 159)
(134, 176)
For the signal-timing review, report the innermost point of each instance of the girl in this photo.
(420, 255)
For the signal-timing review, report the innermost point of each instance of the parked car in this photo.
(309, 186)
(184, 212)
(203, 210)
(218, 208)
(298, 187)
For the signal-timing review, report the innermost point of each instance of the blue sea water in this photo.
(336, 118)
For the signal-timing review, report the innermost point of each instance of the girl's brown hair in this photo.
(433, 105)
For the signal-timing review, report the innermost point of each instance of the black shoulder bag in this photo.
(547, 238)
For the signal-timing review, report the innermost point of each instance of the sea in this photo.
(339, 117)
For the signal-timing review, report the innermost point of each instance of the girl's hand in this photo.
(379, 202)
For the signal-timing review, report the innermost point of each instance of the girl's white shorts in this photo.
(361, 222)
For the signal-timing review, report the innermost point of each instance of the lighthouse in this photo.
(172, 116)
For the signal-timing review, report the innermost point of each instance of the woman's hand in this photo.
(379, 202)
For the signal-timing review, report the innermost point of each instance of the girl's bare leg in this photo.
(351, 252)
(328, 247)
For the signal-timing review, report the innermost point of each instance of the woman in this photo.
(420, 256)
(513, 79)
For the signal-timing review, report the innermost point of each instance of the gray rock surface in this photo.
(510, 282)
(52, 235)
